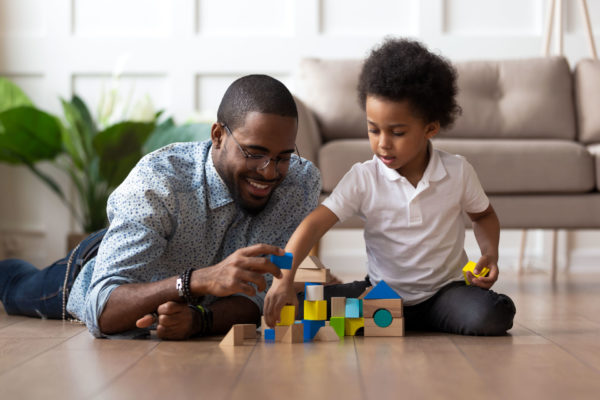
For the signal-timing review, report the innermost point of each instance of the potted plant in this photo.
(96, 160)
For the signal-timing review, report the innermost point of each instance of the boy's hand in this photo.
(280, 294)
(487, 281)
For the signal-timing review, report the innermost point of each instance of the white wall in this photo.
(184, 53)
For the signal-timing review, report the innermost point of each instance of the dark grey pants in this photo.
(455, 308)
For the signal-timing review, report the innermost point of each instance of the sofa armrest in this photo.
(308, 139)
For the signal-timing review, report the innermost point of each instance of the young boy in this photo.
(411, 197)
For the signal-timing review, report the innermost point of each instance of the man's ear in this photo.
(432, 129)
(217, 132)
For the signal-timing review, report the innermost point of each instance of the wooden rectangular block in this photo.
(295, 334)
(280, 331)
(338, 307)
(312, 275)
(315, 310)
(287, 315)
(249, 331)
(394, 306)
(396, 328)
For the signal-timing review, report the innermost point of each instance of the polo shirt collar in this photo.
(435, 170)
(218, 192)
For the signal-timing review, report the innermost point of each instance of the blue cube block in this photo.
(311, 328)
(269, 335)
(283, 262)
(354, 308)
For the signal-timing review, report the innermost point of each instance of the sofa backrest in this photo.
(525, 98)
(587, 99)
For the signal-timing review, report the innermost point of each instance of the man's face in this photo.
(267, 135)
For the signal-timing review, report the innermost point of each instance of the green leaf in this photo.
(167, 133)
(119, 148)
(12, 96)
(29, 135)
(73, 136)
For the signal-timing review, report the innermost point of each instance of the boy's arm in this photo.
(308, 233)
(487, 232)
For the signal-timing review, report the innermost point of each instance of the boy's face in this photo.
(268, 135)
(398, 136)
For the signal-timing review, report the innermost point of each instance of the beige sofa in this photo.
(530, 127)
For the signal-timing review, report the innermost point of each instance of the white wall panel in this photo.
(245, 18)
(122, 17)
(574, 17)
(23, 17)
(374, 17)
(493, 17)
(131, 89)
(32, 85)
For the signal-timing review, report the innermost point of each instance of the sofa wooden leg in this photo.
(554, 251)
(521, 255)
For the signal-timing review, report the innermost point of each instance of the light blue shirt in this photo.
(174, 211)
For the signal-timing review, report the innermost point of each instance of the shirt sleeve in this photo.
(474, 199)
(139, 211)
(346, 198)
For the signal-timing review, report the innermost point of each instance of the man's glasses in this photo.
(261, 161)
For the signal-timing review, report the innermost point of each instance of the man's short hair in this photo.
(255, 93)
(404, 70)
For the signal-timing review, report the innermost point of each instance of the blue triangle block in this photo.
(382, 291)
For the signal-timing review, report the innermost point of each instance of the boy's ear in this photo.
(216, 134)
(432, 129)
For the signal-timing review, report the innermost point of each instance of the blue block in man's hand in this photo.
(283, 262)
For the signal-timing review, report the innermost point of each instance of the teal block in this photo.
(383, 318)
(354, 308)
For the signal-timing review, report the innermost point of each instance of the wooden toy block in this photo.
(283, 262)
(394, 306)
(287, 316)
(470, 266)
(269, 335)
(327, 334)
(338, 324)
(312, 275)
(396, 328)
(382, 291)
(354, 308)
(237, 334)
(313, 292)
(311, 262)
(351, 325)
(338, 306)
(280, 331)
(315, 310)
(295, 334)
(383, 318)
(311, 328)
(367, 290)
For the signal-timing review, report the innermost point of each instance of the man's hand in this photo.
(488, 281)
(280, 294)
(235, 273)
(176, 321)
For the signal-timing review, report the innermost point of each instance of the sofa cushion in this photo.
(587, 100)
(503, 166)
(595, 151)
(527, 98)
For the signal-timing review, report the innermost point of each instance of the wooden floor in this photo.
(553, 352)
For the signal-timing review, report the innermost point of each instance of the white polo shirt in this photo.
(414, 236)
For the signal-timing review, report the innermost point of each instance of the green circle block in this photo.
(383, 318)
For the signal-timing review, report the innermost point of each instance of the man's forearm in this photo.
(232, 310)
(129, 302)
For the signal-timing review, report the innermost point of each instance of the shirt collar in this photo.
(218, 192)
(435, 170)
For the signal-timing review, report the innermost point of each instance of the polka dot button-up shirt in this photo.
(174, 211)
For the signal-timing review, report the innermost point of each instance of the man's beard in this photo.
(249, 209)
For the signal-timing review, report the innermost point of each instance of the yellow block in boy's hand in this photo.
(470, 266)
(287, 316)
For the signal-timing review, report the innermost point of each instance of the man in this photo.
(189, 229)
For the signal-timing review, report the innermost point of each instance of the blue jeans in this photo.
(455, 308)
(26, 290)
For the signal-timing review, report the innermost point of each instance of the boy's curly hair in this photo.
(402, 69)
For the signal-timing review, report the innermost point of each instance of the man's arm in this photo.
(130, 302)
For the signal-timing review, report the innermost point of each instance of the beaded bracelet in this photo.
(183, 286)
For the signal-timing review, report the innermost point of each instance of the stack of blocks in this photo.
(315, 310)
(286, 330)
